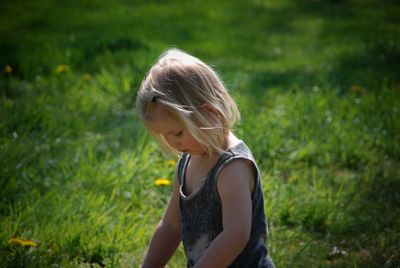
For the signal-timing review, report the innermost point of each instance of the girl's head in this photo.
(181, 93)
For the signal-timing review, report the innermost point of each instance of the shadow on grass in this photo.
(373, 212)
(354, 45)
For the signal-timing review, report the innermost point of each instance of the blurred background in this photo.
(318, 86)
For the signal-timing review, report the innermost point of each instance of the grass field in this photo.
(318, 85)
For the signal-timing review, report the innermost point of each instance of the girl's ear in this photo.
(210, 110)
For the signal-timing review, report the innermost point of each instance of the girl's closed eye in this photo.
(179, 133)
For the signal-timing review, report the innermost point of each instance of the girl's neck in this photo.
(230, 141)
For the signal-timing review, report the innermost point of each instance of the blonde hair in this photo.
(185, 85)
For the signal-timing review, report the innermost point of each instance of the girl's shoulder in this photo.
(240, 151)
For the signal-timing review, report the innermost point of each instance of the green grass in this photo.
(316, 81)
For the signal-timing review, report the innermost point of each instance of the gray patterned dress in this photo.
(201, 214)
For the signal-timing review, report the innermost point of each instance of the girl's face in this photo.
(177, 136)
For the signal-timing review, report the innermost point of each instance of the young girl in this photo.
(217, 207)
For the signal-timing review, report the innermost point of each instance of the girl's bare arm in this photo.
(167, 235)
(235, 184)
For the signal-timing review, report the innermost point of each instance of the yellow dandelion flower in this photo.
(15, 241)
(162, 182)
(357, 89)
(62, 68)
(29, 243)
(8, 69)
(171, 163)
(87, 77)
(22, 242)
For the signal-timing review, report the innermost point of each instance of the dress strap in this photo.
(181, 168)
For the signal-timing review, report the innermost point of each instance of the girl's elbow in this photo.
(245, 239)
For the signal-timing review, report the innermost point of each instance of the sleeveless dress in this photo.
(201, 214)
